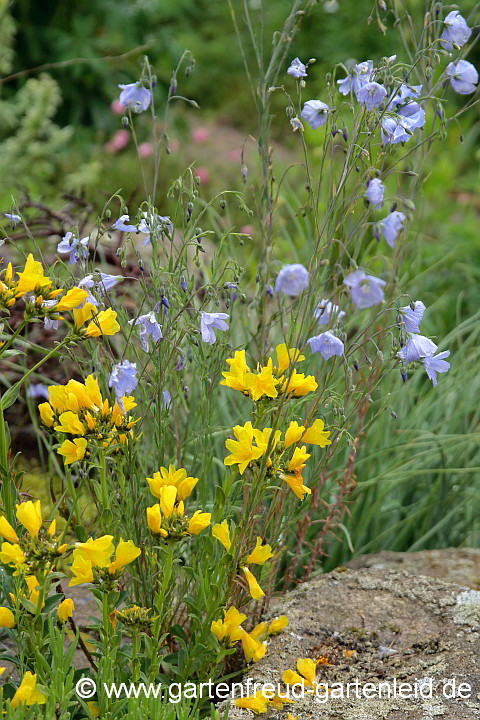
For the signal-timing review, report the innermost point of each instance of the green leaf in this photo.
(10, 396)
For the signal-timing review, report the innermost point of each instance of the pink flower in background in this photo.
(202, 173)
(118, 142)
(174, 145)
(247, 229)
(145, 149)
(235, 155)
(200, 134)
(117, 107)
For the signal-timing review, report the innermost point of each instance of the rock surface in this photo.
(410, 629)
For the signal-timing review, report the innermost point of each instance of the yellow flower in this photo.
(243, 451)
(260, 554)
(80, 395)
(308, 668)
(94, 708)
(257, 703)
(277, 625)
(296, 484)
(33, 584)
(290, 677)
(65, 609)
(262, 437)
(125, 553)
(129, 403)
(262, 383)
(259, 631)
(57, 397)
(70, 423)
(235, 378)
(230, 626)
(82, 571)
(32, 277)
(97, 551)
(300, 385)
(300, 456)
(7, 618)
(30, 515)
(316, 435)
(221, 532)
(255, 590)
(285, 357)
(52, 528)
(278, 701)
(154, 520)
(27, 694)
(252, 649)
(198, 522)
(105, 323)
(72, 299)
(46, 413)
(92, 389)
(173, 477)
(73, 451)
(12, 554)
(293, 434)
(2, 670)
(219, 629)
(81, 315)
(168, 495)
(7, 531)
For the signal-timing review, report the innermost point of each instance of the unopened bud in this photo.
(244, 172)
(108, 213)
(125, 121)
(345, 134)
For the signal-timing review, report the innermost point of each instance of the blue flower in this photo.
(375, 192)
(292, 280)
(183, 284)
(315, 112)
(37, 390)
(327, 344)
(135, 96)
(297, 69)
(296, 124)
(417, 348)
(463, 77)
(391, 132)
(77, 248)
(123, 378)
(361, 75)
(106, 282)
(167, 399)
(149, 327)
(367, 290)
(434, 364)
(413, 318)
(14, 219)
(123, 224)
(325, 310)
(153, 223)
(372, 94)
(456, 31)
(392, 225)
(211, 321)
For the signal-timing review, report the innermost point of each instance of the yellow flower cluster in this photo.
(78, 409)
(92, 560)
(39, 549)
(27, 693)
(229, 630)
(262, 700)
(269, 381)
(281, 461)
(167, 517)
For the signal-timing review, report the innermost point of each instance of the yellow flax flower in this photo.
(235, 377)
(32, 277)
(300, 456)
(81, 315)
(255, 590)
(12, 554)
(168, 495)
(286, 357)
(154, 520)
(46, 413)
(57, 397)
(94, 709)
(176, 478)
(308, 668)
(290, 677)
(52, 528)
(104, 323)
(73, 451)
(7, 618)
(82, 571)
(72, 299)
(243, 451)
(260, 554)
(221, 532)
(299, 385)
(262, 383)
(125, 553)
(98, 551)
(296, 484)
(278, 624)
(316, 435)
(198, 522)
(252, 648)
(33, 584)
(30, 515)
(294, 434)
(257, 703)
(262, 438)
(230, 626)
(70, 423)
(65, 609)
(27, 693)
(7, 531)
(259, 631)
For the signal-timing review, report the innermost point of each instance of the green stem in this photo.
(135, 657)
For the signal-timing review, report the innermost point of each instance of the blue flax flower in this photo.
(360, 76)
(325, 310)
(77, 248)
(14, 219)
(297, 69)
(292, 280)
(123, 378)
(456, 31)
(413, 318)
(375, 192)
(152, 223)
(367, 290)
(37, 390)
(167, 399)
(149, 327)
(463, 77)
(437, 363)
(135, 96)
(392, 225)
(123, 224)
(327, 344)
(417, 348)
(315, 112)
(211, 321)
(372, 94)
(105, 283)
